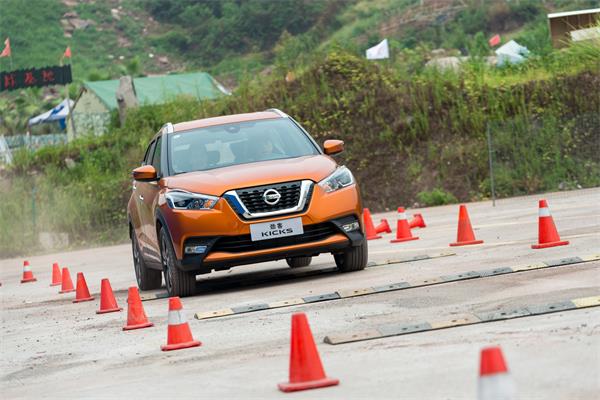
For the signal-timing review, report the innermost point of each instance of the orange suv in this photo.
(240, 189)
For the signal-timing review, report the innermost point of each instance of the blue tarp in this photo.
(58, 113)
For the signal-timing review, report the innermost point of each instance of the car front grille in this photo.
(242, 243)
(250, 202)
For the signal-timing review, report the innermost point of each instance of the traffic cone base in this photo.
(550, 244)
(138, 326)
(66, 291)
(178, 346)
(468, 242)
(109, 310)
(84, 299)
(406, 239)
(28, 280)
(293, 387)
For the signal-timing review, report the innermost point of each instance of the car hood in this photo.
(218, 181)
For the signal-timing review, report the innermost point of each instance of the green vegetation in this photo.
(408, 138)
(435, 197)
(412, 133)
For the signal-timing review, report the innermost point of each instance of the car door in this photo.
(149, 197)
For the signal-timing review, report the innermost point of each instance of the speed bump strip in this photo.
(321, 297)
(593, 257)
(463, 320)
(457, 320)
(346, 293)
(419, 257)
(503, 314)
(355, 292)
(582, 302)
(285, 303)
(214, 314)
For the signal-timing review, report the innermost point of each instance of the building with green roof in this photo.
(91, 113)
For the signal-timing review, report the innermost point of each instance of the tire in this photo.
(297, 262)
(147, 278)
(353, 259)
(178, 282)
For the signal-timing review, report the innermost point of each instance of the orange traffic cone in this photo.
(306, 370)
(547, 233)
(56, 278)
(383, 227)
(494, 380)
(179, 335)
(369, 227)
(417, 221)
(136, 317)
(66, 282)
(403, 233)
(82, 294)
(465, 233)
(108, 303)
(27, 274)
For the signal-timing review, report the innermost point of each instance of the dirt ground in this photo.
(52, 348)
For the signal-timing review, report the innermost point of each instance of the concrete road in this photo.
(52, 348)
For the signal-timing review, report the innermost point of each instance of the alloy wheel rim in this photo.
(166, 264)
(136, 261)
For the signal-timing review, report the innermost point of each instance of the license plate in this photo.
(277, 229)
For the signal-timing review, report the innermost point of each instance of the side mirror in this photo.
(331, 147)
(145, 173)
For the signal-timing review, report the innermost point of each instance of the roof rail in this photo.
(278, 112)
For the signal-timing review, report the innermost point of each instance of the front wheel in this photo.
(353, 258)
(178, 282)
(147, 278)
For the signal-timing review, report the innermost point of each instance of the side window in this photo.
(156, 157)
(148, 155)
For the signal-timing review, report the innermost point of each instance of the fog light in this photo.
(351, 227)
(195, 249)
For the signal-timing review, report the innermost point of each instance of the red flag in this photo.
(67, 52)
(6, 51)
(494, 40)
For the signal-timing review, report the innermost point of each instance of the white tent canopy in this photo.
(511, 53)
(379, 51)
(58, 113)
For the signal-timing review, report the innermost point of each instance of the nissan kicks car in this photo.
(240, 189)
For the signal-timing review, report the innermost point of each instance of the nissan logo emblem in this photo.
(271, 197)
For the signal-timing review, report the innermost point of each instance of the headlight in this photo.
(182, 200)
(340, 178)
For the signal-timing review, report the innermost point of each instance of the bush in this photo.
(436, 197)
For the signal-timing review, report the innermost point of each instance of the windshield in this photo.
(239, 143)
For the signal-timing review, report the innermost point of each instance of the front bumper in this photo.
(227, 237)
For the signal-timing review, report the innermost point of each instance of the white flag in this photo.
(379, 51)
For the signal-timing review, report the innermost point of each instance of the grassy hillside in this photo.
(409, 138)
